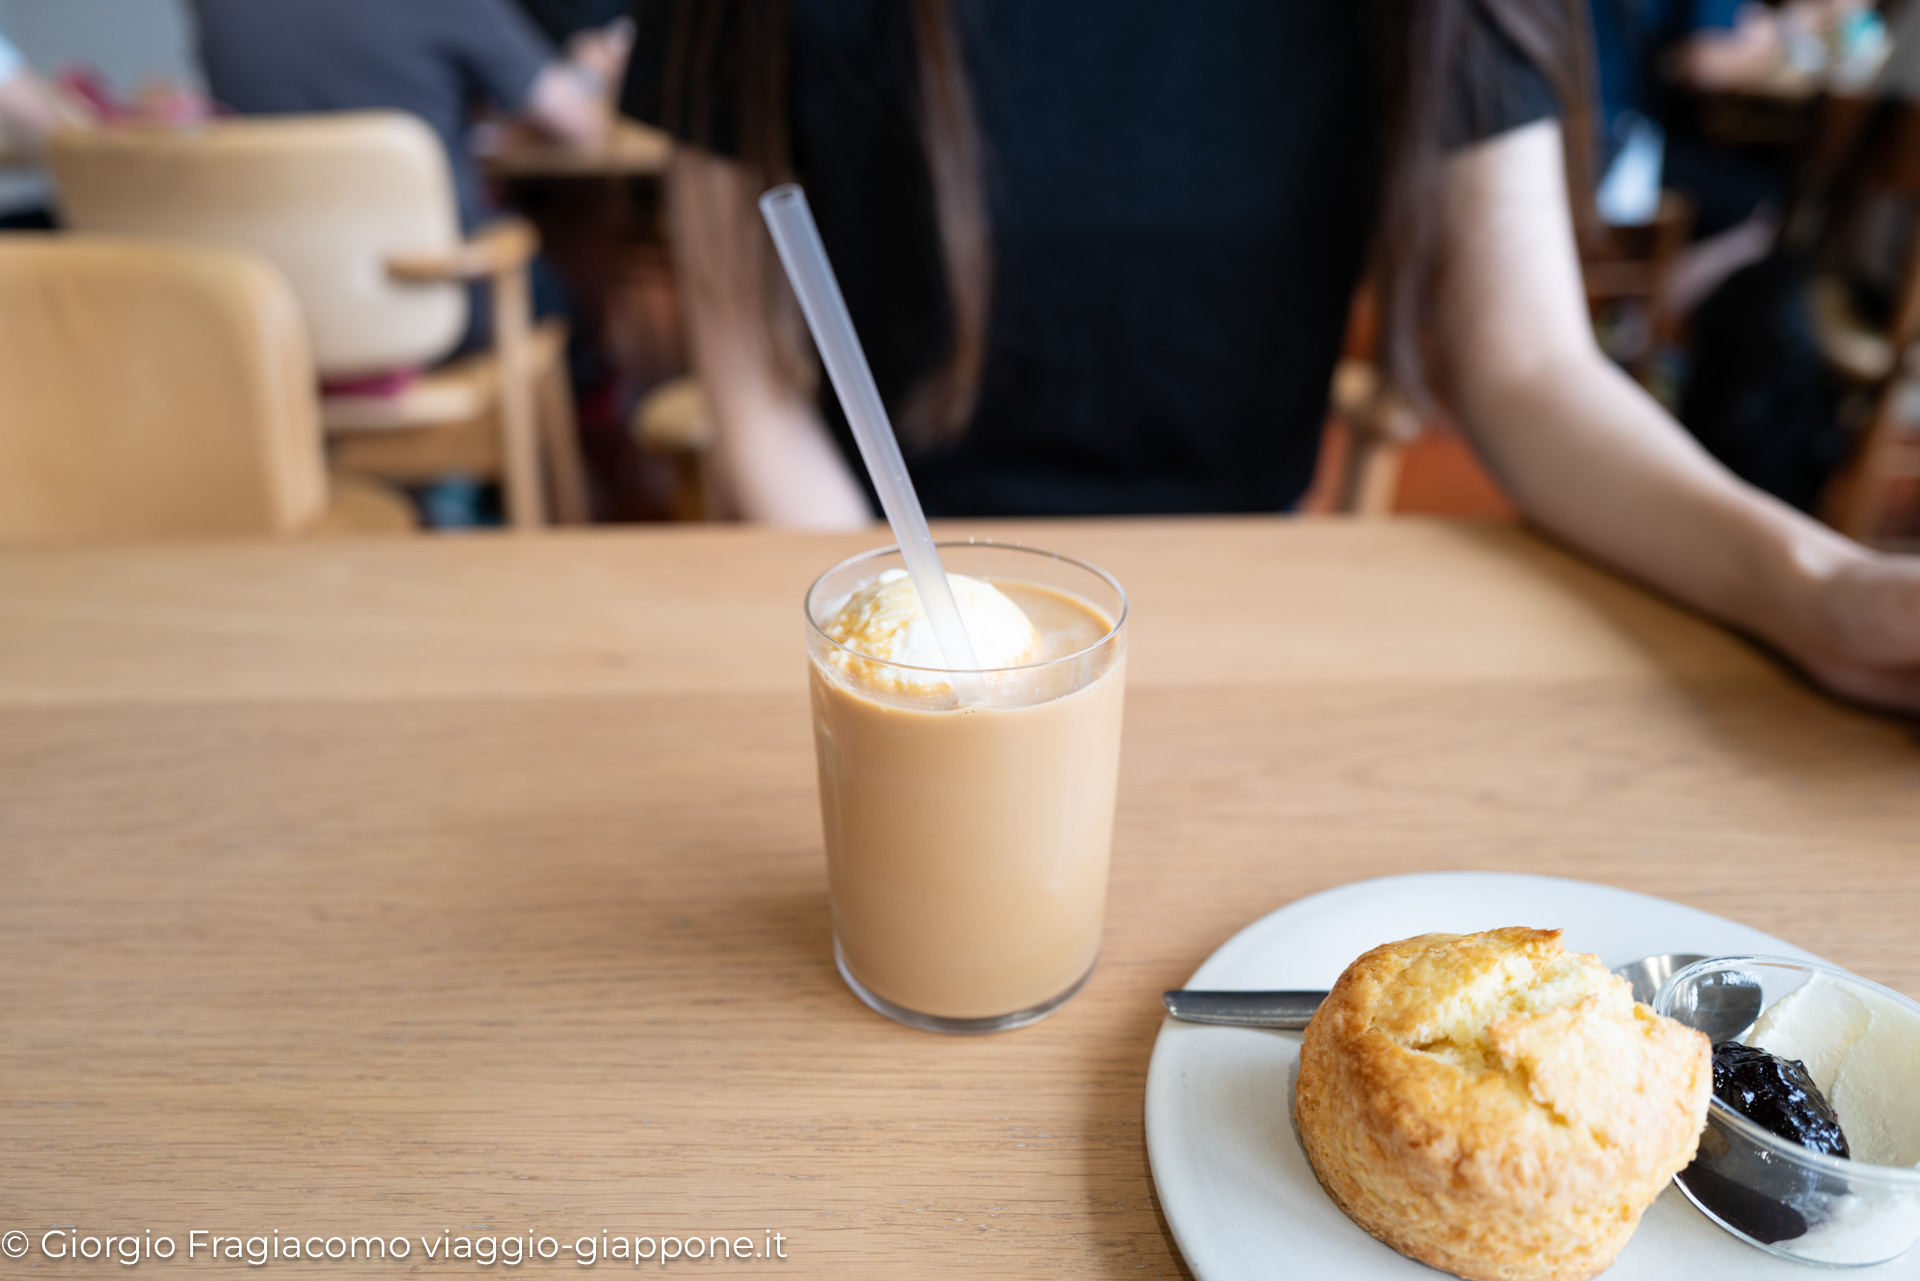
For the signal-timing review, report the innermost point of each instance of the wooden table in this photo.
(393, 887)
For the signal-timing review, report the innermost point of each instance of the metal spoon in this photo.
(1725, 1005)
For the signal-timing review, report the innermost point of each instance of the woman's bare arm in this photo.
(1587, 454)
(780, 463)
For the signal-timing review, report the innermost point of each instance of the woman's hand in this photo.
(31, 110)
(1587, 454)
(603, 51)
(1866, 644)
(569, 104)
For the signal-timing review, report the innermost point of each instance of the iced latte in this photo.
(968, 830)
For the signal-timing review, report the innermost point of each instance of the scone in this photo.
(1496, 1106)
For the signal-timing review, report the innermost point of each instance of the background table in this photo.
(630, 150)
(400, 886)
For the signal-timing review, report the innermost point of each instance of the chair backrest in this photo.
(152, 389)
(330, 198)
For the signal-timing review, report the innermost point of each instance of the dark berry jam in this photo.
(1747, 1187)
(1777, 1095)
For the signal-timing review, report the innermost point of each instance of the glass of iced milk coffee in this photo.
(969, 820)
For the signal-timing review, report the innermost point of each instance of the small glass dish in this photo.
(1769, 1191)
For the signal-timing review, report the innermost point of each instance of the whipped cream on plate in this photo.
(886, 621)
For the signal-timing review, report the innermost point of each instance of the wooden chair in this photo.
(1379, 425)
(1373, 423)
(674, 421)
(152, 389)
(358, 210)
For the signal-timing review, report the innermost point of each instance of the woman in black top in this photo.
(1100, 254)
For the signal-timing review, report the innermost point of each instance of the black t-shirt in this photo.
(1181, 201)
(565, 19)
(434, 58)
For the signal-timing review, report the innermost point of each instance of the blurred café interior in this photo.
(418, 781)
(522, 360)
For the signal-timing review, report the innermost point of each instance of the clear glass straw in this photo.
(791, 221)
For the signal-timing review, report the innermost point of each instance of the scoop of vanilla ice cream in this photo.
(1863, 1051)
(885, 620)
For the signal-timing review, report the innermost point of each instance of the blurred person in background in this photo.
(1658, 58)
(1751, 45)
(1752, 385)
(444, 61)
(438, 59)
(30, 110)
(596, 34)
(1101, 255)
(1651, 55)
(29, 107)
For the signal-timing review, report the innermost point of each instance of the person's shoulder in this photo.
(1498, 85)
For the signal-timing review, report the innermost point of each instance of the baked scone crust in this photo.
(1496, 1106)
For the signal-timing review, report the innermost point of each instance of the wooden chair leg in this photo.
(1371, 480)
(1379, 425)
(560, 433)
(519, 432)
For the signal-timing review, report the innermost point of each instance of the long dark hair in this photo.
(1424, 49)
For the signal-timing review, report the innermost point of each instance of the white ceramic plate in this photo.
(1235, 1186)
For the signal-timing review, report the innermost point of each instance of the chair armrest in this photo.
(497, 248)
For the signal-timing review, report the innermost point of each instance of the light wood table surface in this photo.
(392, 887)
